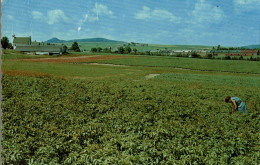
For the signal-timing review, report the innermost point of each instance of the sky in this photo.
(171, 22)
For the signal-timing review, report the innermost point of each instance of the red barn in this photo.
(249, 52)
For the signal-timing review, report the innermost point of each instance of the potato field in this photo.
(119, 117)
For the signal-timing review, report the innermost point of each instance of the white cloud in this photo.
(102, 10)
(204, 12)
(53, 16)
(246, 2)
(98, 10)
(93, 16)
(37, 15)
(246, 5)
(144, 14)
(157, 14)
(10, 17)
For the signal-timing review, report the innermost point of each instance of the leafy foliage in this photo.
(5, 42)
(128, 49)
(75, 46)
(55, 121)
(120, 50)
(99, 49)
(93, 49)
(134, 50)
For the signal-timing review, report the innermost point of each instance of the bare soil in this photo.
(106, 64)
(75, 59)
(25, 73)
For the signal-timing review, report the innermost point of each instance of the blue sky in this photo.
(185, 22)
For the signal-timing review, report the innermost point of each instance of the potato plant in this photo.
(161, 121)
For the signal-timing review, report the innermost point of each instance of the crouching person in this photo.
(238, 104)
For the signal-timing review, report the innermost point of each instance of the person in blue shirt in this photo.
(238, 104)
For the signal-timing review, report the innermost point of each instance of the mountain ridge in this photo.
(257, 46)
(56, 40)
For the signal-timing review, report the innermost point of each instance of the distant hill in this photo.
(252, 46)
(56, 40)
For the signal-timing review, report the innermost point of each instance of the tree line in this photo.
(231, 48)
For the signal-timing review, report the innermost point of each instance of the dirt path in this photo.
(75, 59)
(151, 76)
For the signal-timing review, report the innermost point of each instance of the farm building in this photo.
(21, 41)
(182, 52)
(233, 52)
(250, 52)
(25, 44)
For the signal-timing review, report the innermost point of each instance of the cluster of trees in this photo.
(99, 49)
(135, 44)
(229, 48)
(75, 46)
(124, 50)
(120, 50)
(5, 43)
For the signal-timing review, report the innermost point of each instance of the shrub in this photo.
(195, 55)
(148, 52)
(120, 50)
(209, 56)
(106, 50)
(227, 58)
(93, 49)
(234, 58)
(75, 47)
(99, 49)
(135, 50)
(127, 49)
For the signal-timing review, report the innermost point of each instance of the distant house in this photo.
(242, 53)
(34, 43)
(183, 52)
(25, 44)
(235, 52)
(135, 44)
(250, 52)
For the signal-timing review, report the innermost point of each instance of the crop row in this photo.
(54, 121)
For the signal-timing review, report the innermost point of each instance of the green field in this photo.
(191, 63)
(115, 45)
(89, 45)
(83, 113)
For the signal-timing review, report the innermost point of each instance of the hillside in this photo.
(56, 40)
(252, 46)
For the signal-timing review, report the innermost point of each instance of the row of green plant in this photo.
(242, 58)
(238, 66)
(210, 56)
(55, 121)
